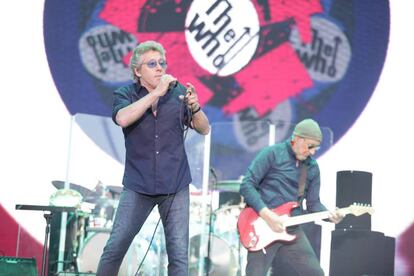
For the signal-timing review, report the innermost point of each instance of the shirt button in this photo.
(156, 136)
(157, 152)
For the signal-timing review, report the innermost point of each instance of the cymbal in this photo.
(228, 185)
(85, 192)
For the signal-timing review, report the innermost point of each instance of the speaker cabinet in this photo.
(12, 266)
(313, 233)
(354, 187)
(360, 252)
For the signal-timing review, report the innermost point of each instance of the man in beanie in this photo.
(273, 179)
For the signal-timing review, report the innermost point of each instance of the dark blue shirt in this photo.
(273, 179)
(156, 162)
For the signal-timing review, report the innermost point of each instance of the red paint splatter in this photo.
(270, 80)
(298, 10)
(124, 14)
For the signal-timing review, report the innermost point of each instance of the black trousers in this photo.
(292, 258)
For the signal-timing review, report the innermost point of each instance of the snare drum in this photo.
(225, 223)
(225, 227)
(221, 258)
(92, 249)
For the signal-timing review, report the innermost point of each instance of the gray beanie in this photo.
(308, 128)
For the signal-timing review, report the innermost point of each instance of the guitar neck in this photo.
(311, 217)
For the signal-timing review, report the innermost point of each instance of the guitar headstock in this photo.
(358, 209)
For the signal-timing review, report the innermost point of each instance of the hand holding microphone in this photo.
(191, 99)
(167, 82)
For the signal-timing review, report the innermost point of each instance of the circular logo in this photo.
(220, 38)
(102, 50)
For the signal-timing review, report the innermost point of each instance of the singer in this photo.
(154, 114)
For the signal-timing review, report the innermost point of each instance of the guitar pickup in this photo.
(253, 240)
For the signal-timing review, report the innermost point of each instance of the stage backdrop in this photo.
(343, 63)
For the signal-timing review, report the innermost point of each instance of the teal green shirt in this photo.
(272, 179)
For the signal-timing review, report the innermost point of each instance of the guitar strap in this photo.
(302, 182)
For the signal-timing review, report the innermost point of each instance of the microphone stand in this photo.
(48, 217)
(210, 228)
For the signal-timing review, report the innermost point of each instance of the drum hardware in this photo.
(48, 217)
(225, 255)
(105, 203)
(75, 223)
(95, 211)
(221, 231)
(115, 191)
(103, 213)
(228, 185)
(86, 207)
(225, 227)
(220, 260)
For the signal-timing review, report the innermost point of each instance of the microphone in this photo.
(172, 85)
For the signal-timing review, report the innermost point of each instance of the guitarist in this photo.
(271, 180)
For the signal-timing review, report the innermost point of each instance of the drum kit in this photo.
(225, 255)
(97, 208)
(88, 229)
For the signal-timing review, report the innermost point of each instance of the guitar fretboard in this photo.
(311, 217)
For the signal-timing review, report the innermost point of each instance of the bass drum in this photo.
(92, 249)
(221, 258)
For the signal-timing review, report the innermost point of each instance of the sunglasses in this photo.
(311, 146)
(315, 147)
(153, 63)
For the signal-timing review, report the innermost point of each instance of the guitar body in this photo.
(254, 232)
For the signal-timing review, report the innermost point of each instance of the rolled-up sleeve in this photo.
(120, 100)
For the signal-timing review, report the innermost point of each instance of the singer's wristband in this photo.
(197, 110)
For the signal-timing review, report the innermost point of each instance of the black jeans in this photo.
(293, 258)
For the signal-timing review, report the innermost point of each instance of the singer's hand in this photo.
(165, 82)
(191, 97)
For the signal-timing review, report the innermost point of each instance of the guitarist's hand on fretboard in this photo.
(336, 216)
(274, 221)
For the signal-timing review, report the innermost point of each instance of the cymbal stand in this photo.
(48, 217)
